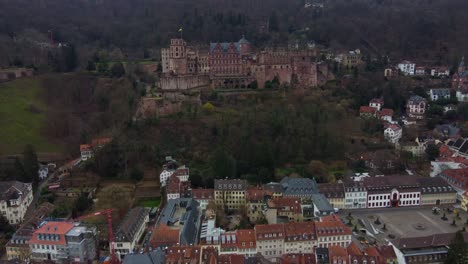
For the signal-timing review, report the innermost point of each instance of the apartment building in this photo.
(332, 232)
(15, 198)
(270, 240)
(62, 242)
(230, 193)
(130, 230)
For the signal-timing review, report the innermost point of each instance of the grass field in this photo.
(150, 203)
(19, 124)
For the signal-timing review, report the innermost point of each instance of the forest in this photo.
(427, 30)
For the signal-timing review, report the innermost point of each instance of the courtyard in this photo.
(388, 224)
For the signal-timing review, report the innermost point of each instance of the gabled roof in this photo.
(416, 99)
(154, 257)
(224, 46)
(367, 110)
(131, 224)
(52, 228)
(377, 101)
(385, 112)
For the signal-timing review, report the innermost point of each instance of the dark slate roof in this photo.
(435, 185)
(464, 148)
(458, 143)
(154, 257)
(230, 184)
(131, 224)
(243, 40)
(441, 92)
(322, 204)
(448, 130)
(11, 189)
(416, 99)
(299, 186)
(190, 219)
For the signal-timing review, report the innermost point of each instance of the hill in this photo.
(22, 117)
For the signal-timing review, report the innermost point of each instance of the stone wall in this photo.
(183, 82)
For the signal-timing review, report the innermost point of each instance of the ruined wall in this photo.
(183, 82)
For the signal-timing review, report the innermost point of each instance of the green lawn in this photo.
(150, 203)
(19, 125)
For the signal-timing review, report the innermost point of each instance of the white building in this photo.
(355, 195)
(393, 191)
(407, 67)
(376, 103)
(440, 72)
(416, 107)
(393, 133)
(15, 198)
(462, 95)
(43, 172)
(438, 94)
(130, 230)
(171, 168)
(86, 152)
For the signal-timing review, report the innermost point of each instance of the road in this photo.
(37, 195)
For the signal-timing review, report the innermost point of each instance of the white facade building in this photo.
(438, 94)
(393, 133)
(130, 230)
(355, 196)
(407, 67)
(394, 198)
(86, 152)
(15, 198)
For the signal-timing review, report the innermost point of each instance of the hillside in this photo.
(22, 117)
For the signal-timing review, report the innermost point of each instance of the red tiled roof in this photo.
(299, 231)
(257, 193)
(202, 194)
(262, 230)
(387, 252)
(97, 142)
(56, 228)
(353, 249)
(298, 259)
(458, 175)
(367, 110)
(331, 225)
(394, 127)
(182, 254)
(164, 236)
(84, 147)
(244, 237)
(286, 204)
(377, 101)
(337, 253)
(230, 258)
(181, 172)
(385, 112)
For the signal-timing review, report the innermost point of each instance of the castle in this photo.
(236, 65)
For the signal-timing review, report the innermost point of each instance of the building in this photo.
(299, 238)
(270, 240)
(299, 187)
(351, 59)
(457, 178)
(439, 94)
(464, 202)
(176, 188)
(15, 198)
(386, 114)
(172, 168)
(393, 133)
(376, 103)
(335, 194)
(86, 152)
(355, 195)
(130, 230)
(156, 256)
(367, 111)
(182, 214)
(18, 247)
(203, 197)
(391, 72)
(230, 194)
(447, 131)
(332, 232)
(416, 107)
(43, 171)
(352, 254)
(246, 242)
(392, 191)
(62, 242)
(441, 71)
(460, 78)
(407, 67)
(420, 71)
(183, 254)
(257, 207)
(435, 191)
(289, 209)
(427, 249)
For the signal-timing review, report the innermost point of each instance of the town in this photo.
(256, 132)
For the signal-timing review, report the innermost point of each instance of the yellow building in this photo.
(435, 191)
(230, 194)
(335, 194)
(464, 203)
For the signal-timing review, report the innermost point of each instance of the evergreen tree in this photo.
(458, 250)
(117, 70)
(30, 164)
(70, 58)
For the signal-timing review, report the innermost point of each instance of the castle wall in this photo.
(183, 82)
